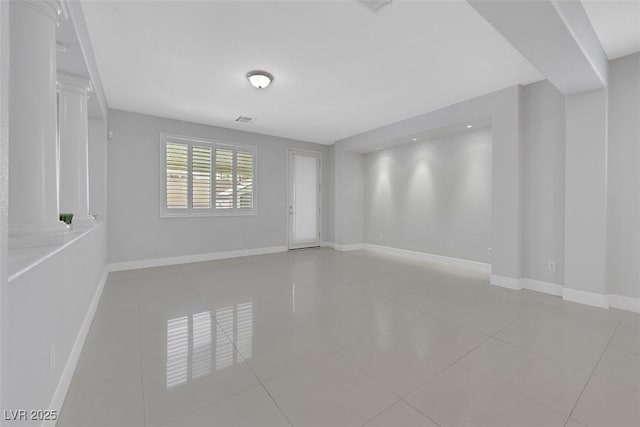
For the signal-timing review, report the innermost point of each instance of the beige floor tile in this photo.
(459, 397)
(607, 404)
(401, 415)
(112, 403)
(395, 361)
(329, 392)
(620, 366)
(250, 408)
(551, 383)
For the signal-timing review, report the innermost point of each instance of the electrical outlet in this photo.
(52, 357)
(551, 265)
(489, 251)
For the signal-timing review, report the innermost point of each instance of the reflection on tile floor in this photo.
(320, 337)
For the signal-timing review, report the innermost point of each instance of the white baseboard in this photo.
(67, 374)
(186, 259)
(568, 294)
(584, 297)
(541, 286)
(506, 282)
(331, 245)
(351, 247)
(423, 256)
(624, 303)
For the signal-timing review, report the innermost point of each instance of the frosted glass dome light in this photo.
(259, 79)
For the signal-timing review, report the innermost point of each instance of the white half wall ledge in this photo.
(187, 259)
(427, 257)
(67, 374)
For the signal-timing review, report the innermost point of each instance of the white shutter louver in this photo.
(177, 175)
(201, 177)
(224, 178)
(244, 179)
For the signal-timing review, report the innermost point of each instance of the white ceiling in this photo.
(617, 25)
(339, 69)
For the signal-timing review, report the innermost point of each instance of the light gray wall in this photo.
(4, 188)
(329, 196)
(585, 221)
(136, 231)
(503, 107)
(506, 206)
(432, 196)
(348, 196)
(98, 167)
(543, 128)
(624, 177)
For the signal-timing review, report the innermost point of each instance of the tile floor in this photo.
(325, 338)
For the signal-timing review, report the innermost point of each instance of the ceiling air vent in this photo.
(374, 5)
(245, 119)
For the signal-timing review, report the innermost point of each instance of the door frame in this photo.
(318, 154)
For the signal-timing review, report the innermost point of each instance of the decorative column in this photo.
(74, 148)
(33, 190)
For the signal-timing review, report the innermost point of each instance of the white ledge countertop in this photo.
(22, 260)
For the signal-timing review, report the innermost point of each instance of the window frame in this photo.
(190, 211)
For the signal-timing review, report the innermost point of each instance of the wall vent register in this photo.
(245, 119)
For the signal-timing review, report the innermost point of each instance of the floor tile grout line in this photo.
(235, 347)
(380, 413)
(440, 372)
(456, 362)
(266, 390)
(338, 351)
(333, 351)
(233, 344)
(144, 402)
(400, 398)
(188, 281)
(191, 412)
(575, 405)
(627, 386)
(423, 315)
(622, 350)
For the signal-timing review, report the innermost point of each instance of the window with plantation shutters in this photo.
(244, 179)
(177, 169)
(201, 177)
(224, 178)
(207, 177)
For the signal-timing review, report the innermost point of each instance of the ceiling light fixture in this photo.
(413, 139)
(259, 79)
(469, 126)
(375, 5)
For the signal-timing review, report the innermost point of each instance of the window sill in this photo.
(21, 260)
(207, 214)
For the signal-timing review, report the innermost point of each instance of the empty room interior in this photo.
(320, 213)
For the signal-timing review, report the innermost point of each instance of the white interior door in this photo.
(304, 199)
